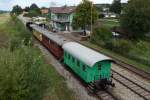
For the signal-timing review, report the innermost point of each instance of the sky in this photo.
(8, 4)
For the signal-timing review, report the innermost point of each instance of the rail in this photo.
(133, 86)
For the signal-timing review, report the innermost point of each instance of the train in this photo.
(91, 66)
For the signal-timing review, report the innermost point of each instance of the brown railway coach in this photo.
(51, 41)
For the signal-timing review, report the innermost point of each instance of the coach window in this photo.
(65, 54)
(68, 56)
(52, 42)
(84, 67)
(73, 60)
(99, 66)
(78, 63)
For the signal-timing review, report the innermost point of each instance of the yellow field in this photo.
(3, 34)
(4, 18)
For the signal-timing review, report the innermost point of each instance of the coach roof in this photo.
(60, 40)
(84, 54)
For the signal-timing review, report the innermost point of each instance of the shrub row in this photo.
(23, 74)
(137, 51)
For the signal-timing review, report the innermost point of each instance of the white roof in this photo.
(84, 54)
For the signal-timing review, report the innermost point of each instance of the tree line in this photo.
(33, 10)
(134, 16)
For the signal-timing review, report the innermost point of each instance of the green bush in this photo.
(101, 15)
(23, 75)
(21, 37)
(141, 52)
(101, 34)
(120, 45)
(33, 13)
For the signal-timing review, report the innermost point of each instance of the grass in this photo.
(57, 89)
(4, 18)
(110, 23)
(116, 55)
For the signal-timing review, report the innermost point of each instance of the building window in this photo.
(83, 67)
(99, 66)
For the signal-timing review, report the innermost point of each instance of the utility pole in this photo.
(91, 17)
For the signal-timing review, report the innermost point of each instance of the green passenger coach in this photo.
(90, 65)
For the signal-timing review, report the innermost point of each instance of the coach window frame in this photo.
(99, 66)
(69, 56)
(78, 63)
(84, 67)
(73, 59)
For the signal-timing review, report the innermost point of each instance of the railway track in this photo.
(101, 94)
(133, 86)
(104, 95)
(119, 62)
(133, 69)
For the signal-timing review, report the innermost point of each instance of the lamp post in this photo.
(91, 17)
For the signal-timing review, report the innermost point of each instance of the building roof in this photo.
(63, 10)
(60, 40)
(84, 54)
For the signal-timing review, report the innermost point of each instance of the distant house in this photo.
(106, 10)
(61, 17)
(44, 10)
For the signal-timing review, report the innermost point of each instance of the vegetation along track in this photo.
(133, 86)
(119, 62)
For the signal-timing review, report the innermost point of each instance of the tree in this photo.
(101, 35)
(136, 18)
(99, 8)
(82, 16)
(27, 9)
(35, 8)
(17, 10)
(116, 7)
